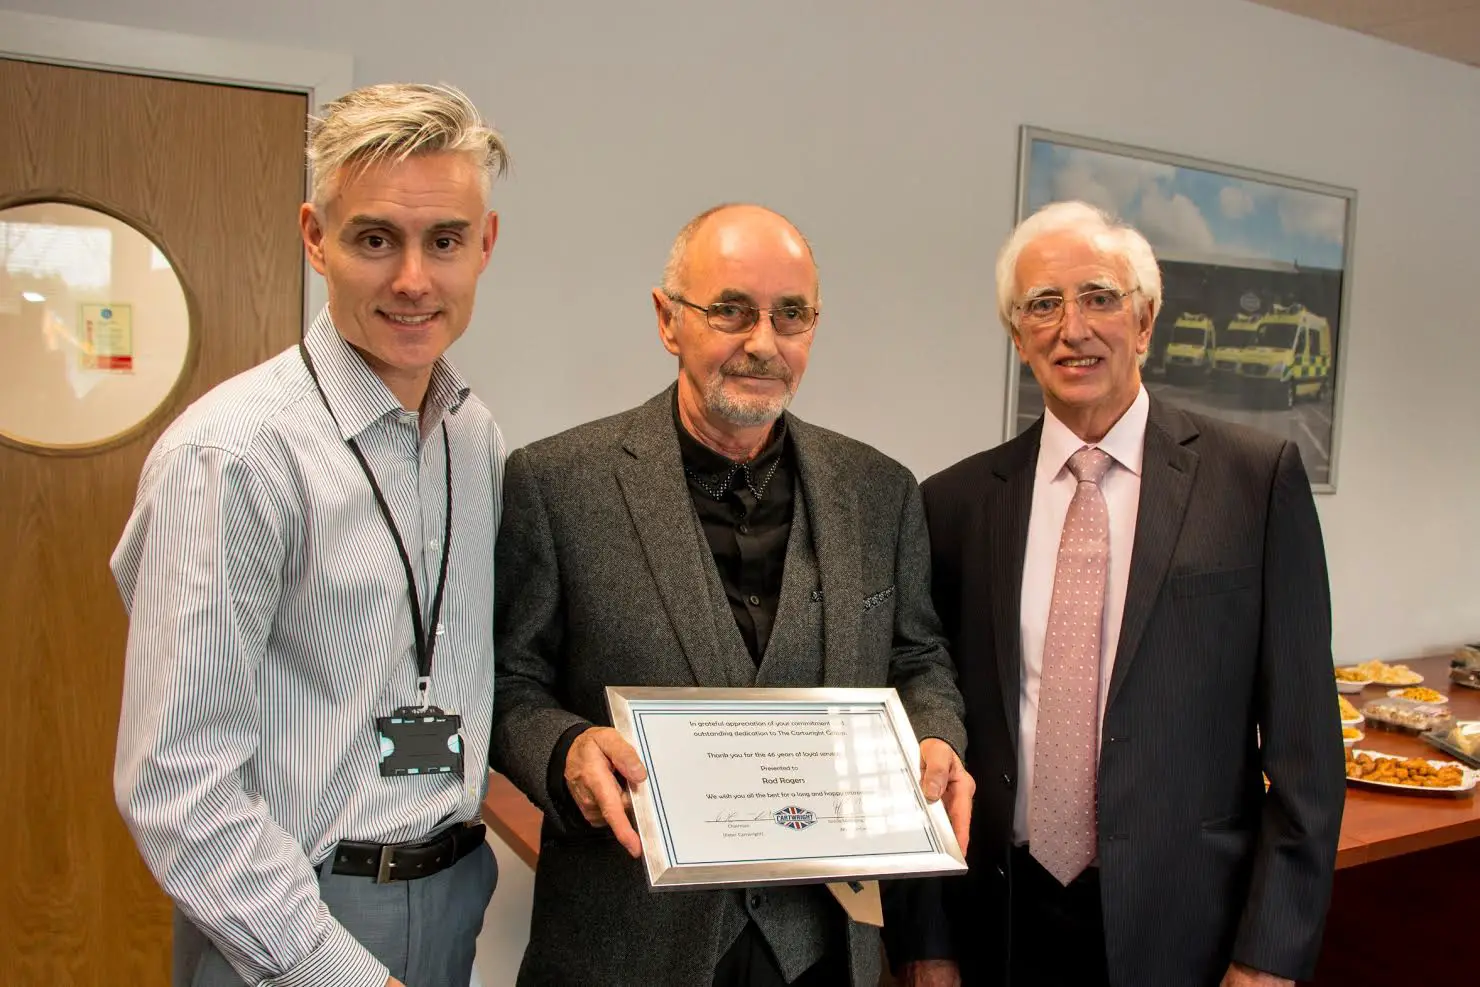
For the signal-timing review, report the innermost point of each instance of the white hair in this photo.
(391, 122)
(1098, 227)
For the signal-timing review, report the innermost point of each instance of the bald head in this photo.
(734, 383)
(733, 230)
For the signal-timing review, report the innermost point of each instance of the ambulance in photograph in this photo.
(1189, 353)
(1288, 359)
(1237, 336)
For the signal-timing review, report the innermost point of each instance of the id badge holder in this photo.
(416, 740)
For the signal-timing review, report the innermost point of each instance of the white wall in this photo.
(506, 923)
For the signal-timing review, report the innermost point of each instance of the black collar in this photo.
(717, 474)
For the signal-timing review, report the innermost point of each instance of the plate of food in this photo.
(1460, 740)
(1382, 673)
(1420, 694)
(1351, 736)
(1351, 679)
(1409, 775)
(1350, 715)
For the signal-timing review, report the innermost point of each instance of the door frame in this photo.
(319, 75)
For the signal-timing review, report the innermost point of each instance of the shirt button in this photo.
(441, 630)
(1007, 779)
(745, 529)
(755, 601)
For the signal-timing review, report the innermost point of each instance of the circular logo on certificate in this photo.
(795, 817)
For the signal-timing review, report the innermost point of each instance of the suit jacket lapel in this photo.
(662, 511)
(1008, 506)
(1167, 471)
(833, 515)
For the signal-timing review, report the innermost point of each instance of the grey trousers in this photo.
(423, 930)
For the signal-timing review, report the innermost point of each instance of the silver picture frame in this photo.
(1236, 246)
(629, 707)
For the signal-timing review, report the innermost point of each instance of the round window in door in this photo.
(94, 324)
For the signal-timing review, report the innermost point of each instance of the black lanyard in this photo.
(426, 644)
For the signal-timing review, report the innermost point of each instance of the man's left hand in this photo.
(1239, 975)
(943, 778)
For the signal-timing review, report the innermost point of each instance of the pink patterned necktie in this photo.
(1061, 813)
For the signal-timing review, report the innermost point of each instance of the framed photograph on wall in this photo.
(1254, 284)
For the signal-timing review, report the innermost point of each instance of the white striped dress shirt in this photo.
(270, 624)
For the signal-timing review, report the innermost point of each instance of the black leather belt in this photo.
(407, 861)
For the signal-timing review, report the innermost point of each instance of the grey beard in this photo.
(746, 414)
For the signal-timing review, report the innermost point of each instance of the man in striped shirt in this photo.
(309, 555)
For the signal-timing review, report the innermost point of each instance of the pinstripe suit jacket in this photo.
(1226, 631)
(601, 580)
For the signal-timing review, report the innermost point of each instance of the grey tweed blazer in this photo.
(602, 579)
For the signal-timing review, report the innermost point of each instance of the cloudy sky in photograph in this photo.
(1192, 214)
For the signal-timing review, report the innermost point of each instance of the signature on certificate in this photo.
(735, 815)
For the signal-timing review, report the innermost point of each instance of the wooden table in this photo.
(1378, 825)
(513, 817)
(1402, 859)
(1408, 868)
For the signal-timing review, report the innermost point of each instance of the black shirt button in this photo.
(755, 601)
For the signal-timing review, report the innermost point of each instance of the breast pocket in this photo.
(1212, 582)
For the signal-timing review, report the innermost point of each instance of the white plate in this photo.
(1354, 723)
(1352, 741)
(1350, 687)
(1413, 679)
(1398, 694)
(1470, 776)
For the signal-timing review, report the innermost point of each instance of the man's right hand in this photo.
(930, 973)
(592, 765)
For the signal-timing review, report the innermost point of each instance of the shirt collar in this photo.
(704, 461)
(357, 397)
(1125, 442)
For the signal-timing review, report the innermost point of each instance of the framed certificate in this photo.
(779, 786)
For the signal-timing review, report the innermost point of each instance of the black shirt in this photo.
(745, 510)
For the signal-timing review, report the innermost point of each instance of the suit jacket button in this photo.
(1007, 779)
(755, 901)
(1000, 871)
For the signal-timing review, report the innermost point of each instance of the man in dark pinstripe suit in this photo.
(1137, 603)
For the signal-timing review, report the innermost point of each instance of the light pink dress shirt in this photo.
(1053, 488)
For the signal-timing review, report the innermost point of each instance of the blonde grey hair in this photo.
(1097, 226)
(388, 123)
(673, 270)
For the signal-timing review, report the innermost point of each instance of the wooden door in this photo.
(213, 175)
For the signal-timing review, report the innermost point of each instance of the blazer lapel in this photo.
(1167, 472)
(833, 515)
(1008, 506)
(651, 478)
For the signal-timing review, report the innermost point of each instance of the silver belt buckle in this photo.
(383, 874)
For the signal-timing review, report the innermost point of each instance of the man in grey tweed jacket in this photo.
(704, 538)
